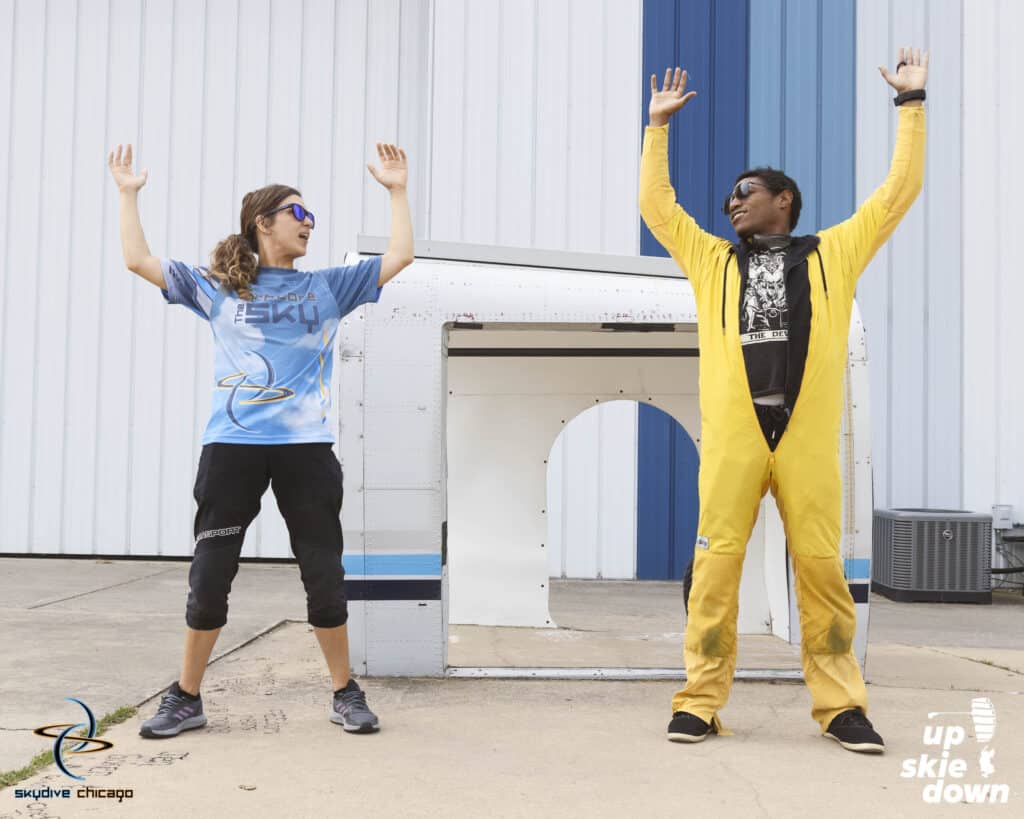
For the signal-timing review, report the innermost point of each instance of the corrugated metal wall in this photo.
(104, 391)
(802, 102)
(592, 506)
(910, 294)
(520, 117)
(535, 142)
(534, 138)
(992, 287)
(940, 300)
(102, 424)
(708, 139)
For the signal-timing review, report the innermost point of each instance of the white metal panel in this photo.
(582, 527)
(584, 86)
(116, 321)
(344, 206)
(7, 75)
(591, 508)
(908, 284)
(874, 141)
(183, 184)
(1010, 488)
(153, 136)
(314, 125)
(992, 291)
(981, 225)
(251, 112)
(49, 346)
(396, 81)
(447, 137)
(943, 420)
(552, 188)
(515, 91)
(413, 96)
(502, 419)
(21, 280)
(401, 638)
(910, 293)
(556, 492)
(89, 195)
(479, 177)
(616, 494)
(622, 94)
(529, 143)
(284, 89)
(103, 420)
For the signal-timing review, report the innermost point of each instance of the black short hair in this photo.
(777, 182)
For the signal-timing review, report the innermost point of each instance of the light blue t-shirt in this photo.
(273, 355)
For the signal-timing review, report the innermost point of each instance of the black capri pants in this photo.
(231, 479)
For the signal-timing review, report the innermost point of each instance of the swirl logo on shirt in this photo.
(266, 393)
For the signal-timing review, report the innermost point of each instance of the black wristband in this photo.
(906, 96)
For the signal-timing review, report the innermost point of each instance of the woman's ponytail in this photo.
(235, 260)
(233, 263)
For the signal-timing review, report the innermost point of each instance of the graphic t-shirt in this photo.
(273, 355)
(764, 322)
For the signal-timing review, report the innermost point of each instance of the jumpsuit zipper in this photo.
(725, 270)
(821, 267)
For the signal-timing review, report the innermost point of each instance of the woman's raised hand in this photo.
(394, 172)
(120, 164)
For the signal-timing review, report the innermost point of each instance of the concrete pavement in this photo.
(471, 748)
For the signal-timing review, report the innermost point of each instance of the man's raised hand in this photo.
(670, 98)
(911, 71)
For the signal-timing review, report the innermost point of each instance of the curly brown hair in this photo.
(234, 261)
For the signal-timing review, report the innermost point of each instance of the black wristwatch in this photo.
(906, 96)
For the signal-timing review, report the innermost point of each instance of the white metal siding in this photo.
(535, 125)
(592, 494)
(535, 142)
(909, 295)
(993, 288)
(940, 300)
(104, 390)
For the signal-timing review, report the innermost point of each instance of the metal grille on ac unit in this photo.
(942, 555)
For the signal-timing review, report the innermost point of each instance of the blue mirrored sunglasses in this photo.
(299, 212)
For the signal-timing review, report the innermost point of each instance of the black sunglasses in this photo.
(740, 191)
(299, 212)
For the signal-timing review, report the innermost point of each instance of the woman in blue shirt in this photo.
(273, 328)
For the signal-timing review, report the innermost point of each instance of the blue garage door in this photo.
(667, 499)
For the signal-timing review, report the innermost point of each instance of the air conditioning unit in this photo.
(935, 555)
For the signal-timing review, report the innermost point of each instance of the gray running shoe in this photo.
(350, 711)
(175, 714)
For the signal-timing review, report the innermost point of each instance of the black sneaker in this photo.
(176, 713)
(350, 711)
(685, 727)
(854, 731)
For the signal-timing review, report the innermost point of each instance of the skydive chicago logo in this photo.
(950, 778)
(64, 735)
(86, 743)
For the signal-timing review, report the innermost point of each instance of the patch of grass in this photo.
(38, 762)
(41, 760)
(125, 712)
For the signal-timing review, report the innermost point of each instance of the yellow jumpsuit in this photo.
(737, 467)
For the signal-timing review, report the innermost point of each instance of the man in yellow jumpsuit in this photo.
(773, 320)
